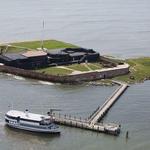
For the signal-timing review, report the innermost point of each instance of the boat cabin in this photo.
(28, 117)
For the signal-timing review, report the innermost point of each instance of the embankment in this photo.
(88, 76)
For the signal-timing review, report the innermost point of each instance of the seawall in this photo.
(87, 76)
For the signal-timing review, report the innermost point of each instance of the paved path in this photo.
(86, 65)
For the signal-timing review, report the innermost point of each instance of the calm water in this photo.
(131, 110)
(113, 27)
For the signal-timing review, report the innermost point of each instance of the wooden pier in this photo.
(102, 110)
(92, 122)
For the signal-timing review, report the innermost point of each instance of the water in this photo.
(113, 27)
(131, 110)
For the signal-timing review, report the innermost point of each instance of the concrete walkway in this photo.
(86, 65)
(124, 66)
(73, 70)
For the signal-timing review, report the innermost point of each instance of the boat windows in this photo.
(18, 118)
(10, 117)
(45, 122)
(6, 120)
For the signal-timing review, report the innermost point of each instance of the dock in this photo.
(93, 122)
(102, 110)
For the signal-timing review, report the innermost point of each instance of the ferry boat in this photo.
(31, 122)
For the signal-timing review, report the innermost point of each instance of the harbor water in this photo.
(112, 27)
(131, 111)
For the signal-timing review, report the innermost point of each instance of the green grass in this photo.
(62, 71)
(95, 66)
(139, 70)
(54, 71)
(11, 49)
(114, 59)
(78, 67)
(49, 44)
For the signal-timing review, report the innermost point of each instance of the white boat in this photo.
(31, 122)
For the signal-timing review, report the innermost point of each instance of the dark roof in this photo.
(54, 52)
(71, 51)
(78, 54)
(79, 49)
(4, 58)
(10, 56)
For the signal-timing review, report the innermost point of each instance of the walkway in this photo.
(92, 122)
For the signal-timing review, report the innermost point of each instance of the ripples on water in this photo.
(131, 110)
(113, 27)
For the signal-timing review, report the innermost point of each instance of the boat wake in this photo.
(39, 81)
(15, 77)
(18, 77)
(8, 74)
(46, 83)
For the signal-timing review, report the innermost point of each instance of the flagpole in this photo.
(42, 42)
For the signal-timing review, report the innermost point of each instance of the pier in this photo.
(92, 123)
(102, 110)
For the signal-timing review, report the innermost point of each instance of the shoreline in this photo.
(77, 78)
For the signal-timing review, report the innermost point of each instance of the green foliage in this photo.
(78, 67)
(49, 44)
(139, 70)
(95, 66)
(11, 49)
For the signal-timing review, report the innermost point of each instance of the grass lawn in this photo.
(78, 67)
(139, 70)
(54, 71)
(11, 49)
(63, 71)
(95, 66)
(49, 44)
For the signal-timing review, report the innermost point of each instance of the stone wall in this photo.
(89, 76)
(100, 75)
(30, 74)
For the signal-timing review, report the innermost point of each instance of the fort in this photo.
(35, 63)
(33, 59)
(78, 64)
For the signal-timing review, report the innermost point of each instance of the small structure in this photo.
(82, 54)
(27, 60)
(15, 60)
(58, 57)
(35, 59)
(39, 59)
(73, 55)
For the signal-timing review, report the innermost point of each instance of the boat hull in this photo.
(51, 131)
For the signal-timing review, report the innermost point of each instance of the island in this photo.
(64, 62)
